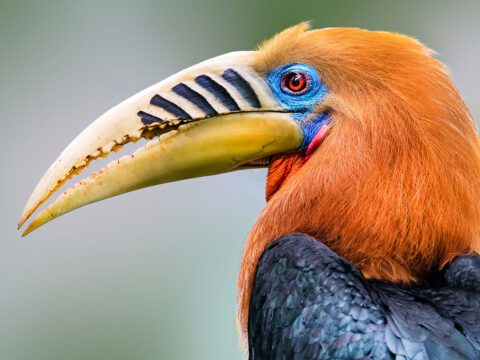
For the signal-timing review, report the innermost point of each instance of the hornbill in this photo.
(366, 248)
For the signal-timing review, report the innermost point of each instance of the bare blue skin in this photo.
(303, 105)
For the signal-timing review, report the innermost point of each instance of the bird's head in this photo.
(369, 145)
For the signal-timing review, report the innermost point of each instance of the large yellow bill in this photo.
(208, 119)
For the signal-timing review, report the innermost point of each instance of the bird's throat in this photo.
(280, 169)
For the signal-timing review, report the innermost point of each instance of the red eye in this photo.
(295, 82)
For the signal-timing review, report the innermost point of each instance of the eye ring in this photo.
(295, 82)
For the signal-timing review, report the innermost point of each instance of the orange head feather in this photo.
(395, 187)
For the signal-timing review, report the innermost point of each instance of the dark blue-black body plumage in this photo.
(309, 303)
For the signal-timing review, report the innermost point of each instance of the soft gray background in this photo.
(151, 274)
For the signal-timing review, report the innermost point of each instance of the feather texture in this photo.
(309, 303)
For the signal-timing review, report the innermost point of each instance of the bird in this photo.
(367, 247)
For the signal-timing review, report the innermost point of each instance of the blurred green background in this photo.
(151, 274)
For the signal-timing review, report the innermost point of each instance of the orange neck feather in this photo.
(395, 187)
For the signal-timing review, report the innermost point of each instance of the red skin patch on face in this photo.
(317, 141)
(285, 165)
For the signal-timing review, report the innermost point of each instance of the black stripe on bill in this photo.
(148, 119)
(170, 107)
(243, 87)
(218, 91)
(196, 98)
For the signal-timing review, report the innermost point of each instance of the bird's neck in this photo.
(385, 212)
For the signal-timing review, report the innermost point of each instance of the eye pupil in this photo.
(295, 82)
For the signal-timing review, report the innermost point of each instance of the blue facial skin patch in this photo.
(301, 105)
(312, 126)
